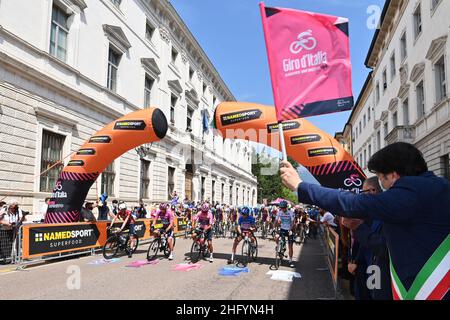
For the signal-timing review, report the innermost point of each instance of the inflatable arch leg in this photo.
(313, 148)
(96, 154)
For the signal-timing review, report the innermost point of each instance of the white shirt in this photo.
(329, 219)
(10, 218)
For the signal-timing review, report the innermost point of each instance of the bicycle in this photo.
(233, 232)
(264, 230)
(199, 247)
(118, 242)
(280, 249)
(160, 243)
(188, 229)
(249, 249)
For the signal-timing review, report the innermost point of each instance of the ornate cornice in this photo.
(192, 96)
(417, 71)
(165, 35)
(437, 46)
(117, 37)
(393, 104)
(151, 65)
(175, 86)
(184, 56)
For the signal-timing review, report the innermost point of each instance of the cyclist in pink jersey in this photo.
(166, 216)
(203, 222)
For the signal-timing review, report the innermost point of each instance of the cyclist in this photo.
(246, 223)
(285, 219)
(205, 221)
(128, 222)
(273, 216)
(166, 216)
(264, 217)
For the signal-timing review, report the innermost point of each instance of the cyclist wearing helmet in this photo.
(286, 220)
(166, 216)
(128, 222)
(203, 222)
(246, 223)
(264, 216)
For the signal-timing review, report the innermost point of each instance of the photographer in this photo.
(11, 218)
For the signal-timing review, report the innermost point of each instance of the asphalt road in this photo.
(78, 278)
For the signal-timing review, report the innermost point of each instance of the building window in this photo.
(170, 182)
(403, 47)
(116, 2)
(370, 151)
(368, 114)
(190, 113)
(191, 74)
(108, 180)
(173, 104)
(377, 92)
(360, 128)
(113, 66)
(365, 157)
(420, 100)
(364, 121)
(393, 66)
(385, 129)
(223, 193)
(445, 166)
(213, 198)
(417, 22)
(441, 83)
(145, 178)
(231, 195)
(59, 33)
(202, 190)
(204, 88)
(214, 101)
(149, 31)
(394, 119)
(406, 113)
(174, 56)
(384, 80)
(51, 154)
(378, 140)
(148, 90)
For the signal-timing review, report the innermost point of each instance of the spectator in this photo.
(141, 210)
(11, 217)
(415, 212)
(104, 213)
(327, 219)
(175, 198)
(115, 207)
(86, 213)
(43, 210)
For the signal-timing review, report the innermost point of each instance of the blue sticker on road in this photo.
(232, 271)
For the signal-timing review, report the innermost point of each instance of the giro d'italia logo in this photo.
(305, 40)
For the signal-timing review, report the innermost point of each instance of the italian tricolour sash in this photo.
(433, 280)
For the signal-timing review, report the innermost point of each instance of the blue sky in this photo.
(230, 32)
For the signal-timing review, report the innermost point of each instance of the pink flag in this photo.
(309, 60)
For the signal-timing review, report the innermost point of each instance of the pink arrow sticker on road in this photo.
(140, 263)
(187, 267)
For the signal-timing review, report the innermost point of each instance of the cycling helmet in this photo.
(205, 207)
(163, 206)
(122, 206)
(283, 204)
(245, 210)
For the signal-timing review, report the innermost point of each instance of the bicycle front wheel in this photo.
(278, 255)
(153, 250)
(245, 252)
(111, 247)
(195, 252)
(255, 250)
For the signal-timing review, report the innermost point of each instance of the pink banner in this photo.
(309, 59)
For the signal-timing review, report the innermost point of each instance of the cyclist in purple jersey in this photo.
(203, 222)
(167, 219)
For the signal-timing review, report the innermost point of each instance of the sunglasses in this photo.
(368, 190)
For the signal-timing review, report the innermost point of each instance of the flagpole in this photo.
(273, 78)
(283, 145)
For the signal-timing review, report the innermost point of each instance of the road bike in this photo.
(159, 244)
(199, 248)
(188, 229)
(118, 242)
(249, 249)
(280, 250)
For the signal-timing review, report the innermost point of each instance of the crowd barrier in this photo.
(331, 239)
(47, 240)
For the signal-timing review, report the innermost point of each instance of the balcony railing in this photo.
(401, 134)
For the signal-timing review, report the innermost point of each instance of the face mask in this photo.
(382, 188)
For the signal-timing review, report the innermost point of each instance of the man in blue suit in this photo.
(414, 210)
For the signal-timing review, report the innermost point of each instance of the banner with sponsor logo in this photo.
(313, 148)
(309, 61)
(74, 182)
(45, 239)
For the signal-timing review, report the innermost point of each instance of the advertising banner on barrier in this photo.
(332, 245)
(45, 239)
